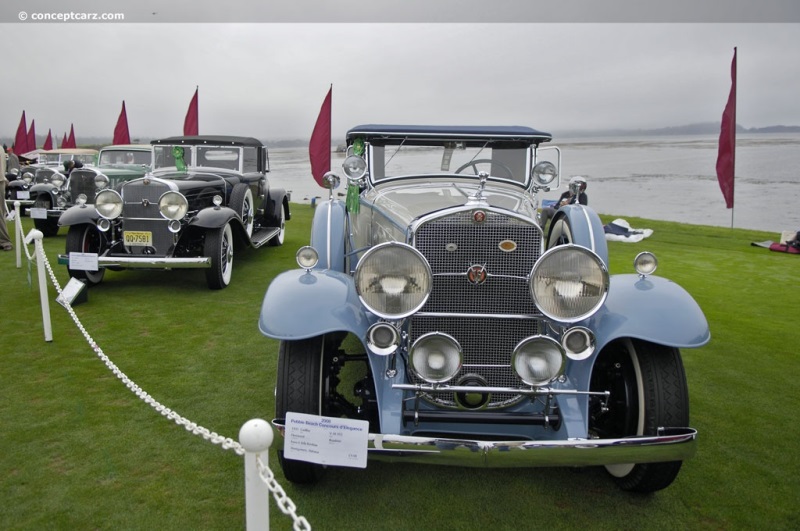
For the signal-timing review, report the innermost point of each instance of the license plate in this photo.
(138, 238)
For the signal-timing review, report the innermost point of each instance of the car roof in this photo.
(71, 151)
(514, 135)
(214, 140)
(128, 147)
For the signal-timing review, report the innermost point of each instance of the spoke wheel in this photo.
(648, 391)
(85, 238)
(300, 390)
(219, 247)
(242, 204)
(278, 238)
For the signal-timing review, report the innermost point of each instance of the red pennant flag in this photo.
(48, 142)
(726, 156)
(121, 135)
(21, 140)
(71, 138)
(31, 137)
(190, 123)
(319, 147)
(64, 142)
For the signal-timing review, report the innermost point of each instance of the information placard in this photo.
(83, 261)
(37, 213)
(326, 440)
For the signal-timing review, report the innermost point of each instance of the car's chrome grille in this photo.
(140, 213)
(490, 318)
(82, 182)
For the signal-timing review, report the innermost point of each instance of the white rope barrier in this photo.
(256, 434)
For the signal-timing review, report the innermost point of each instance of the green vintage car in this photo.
(114, 165)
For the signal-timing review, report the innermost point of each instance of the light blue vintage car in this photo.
(475, 337)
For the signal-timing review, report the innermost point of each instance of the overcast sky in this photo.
(268, 80)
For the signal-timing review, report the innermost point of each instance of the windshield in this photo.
(124, 156)
(511, 164)
(225, 157)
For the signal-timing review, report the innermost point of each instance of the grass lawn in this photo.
(81, 451)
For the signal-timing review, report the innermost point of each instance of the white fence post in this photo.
(39, 250)
(18, 233)
(255, 436)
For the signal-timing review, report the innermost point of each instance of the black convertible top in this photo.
(214, 140)
(427, 134)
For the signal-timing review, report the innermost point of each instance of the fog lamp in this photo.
(103, 225)
(537, 360)
(435, 357)
(174, 226)
(383, 338)
(217, 200)
(578, 343)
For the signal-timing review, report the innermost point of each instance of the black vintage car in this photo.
(206, 196)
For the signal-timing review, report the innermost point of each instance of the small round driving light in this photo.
(307, 257)
(354, 167)
(174, 226)
(578, 343)
(538, 360)
(27, 177)
(393, 280)
(436, 357)
(173, 205)
(103, 225)
(81, 200)
(544, 173)
(217, 200)
(645, 263)
(331, 181)
(569, 283)
(108, 204)
(383, 339)
(101, 181)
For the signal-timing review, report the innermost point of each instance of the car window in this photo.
(218, 157)
(164, 156)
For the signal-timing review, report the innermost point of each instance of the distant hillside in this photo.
(706, 128)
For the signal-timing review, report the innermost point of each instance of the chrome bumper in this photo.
(147, 262)
(672, 444)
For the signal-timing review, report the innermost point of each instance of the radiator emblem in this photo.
(507, 246)
(479, 216)
(476, 274)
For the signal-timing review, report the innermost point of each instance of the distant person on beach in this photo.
(575, 194)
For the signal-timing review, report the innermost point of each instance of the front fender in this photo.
(77, 215)
(300, 304)
(652, 309)
(329, 233)
(213, 217)
(587, 229)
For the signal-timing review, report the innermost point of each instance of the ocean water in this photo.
(671, 178)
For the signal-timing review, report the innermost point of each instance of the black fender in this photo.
(43, 189)
(217, 217)
(276, 199)
(75, 215)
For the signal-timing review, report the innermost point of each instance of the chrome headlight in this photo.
(108, 204)
(569, 283)
(101, 181)
(57, 180)
(544, 173)
(393, 280)
(173, 205)
(435, 357)
(537, 360)
(645, 263)
(27, 177)
(307, 257)
(354, 167)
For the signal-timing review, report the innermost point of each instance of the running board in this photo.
(262, 236)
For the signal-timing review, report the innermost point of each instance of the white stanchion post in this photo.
(39, 247)
(18, 233)
(255, 436)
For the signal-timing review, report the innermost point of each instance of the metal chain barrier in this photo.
(266, 475)
(284, 503)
